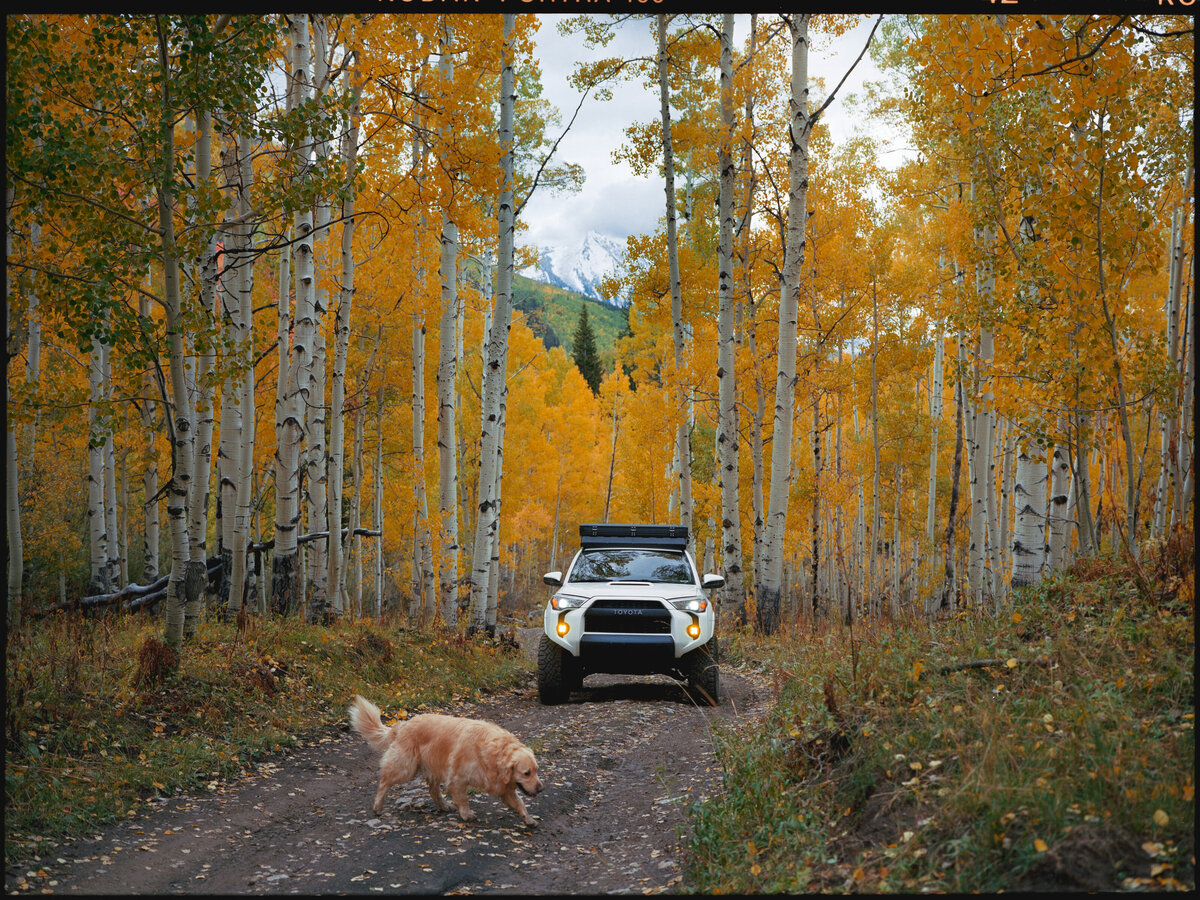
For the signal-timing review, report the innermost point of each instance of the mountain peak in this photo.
(580, 267)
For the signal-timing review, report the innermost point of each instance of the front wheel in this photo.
(555, 673)
(703, 671)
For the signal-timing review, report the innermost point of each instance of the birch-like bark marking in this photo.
(322, 605)
(771, 574)
(728, 442)
(683, 453)
(1029, 495)
(181, 432)
(495, 367)
(337, 390)
(97, 539)
(197, 577)
(244, 350)
(287, 593)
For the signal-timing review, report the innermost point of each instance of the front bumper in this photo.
(629, 627)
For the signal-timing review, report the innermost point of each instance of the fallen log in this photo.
(146, 596)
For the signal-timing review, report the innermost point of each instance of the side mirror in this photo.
(712, 581)
(555, 579)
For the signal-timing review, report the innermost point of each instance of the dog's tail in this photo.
(365, 719)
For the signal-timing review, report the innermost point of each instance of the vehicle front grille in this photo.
(627, 617)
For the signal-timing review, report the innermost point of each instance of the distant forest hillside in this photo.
(552, 313)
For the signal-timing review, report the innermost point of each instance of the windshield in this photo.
(631, 565)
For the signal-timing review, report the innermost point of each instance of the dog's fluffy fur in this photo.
(461, 753)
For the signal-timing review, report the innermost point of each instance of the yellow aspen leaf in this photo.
(1011, 663)
(756, 869)
(1016, 617)
(1040, 846)
(917, 669)
(1161, 819)
(1189, 792)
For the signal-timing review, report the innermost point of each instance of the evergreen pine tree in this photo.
(584, 351)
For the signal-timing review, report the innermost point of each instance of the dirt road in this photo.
(620, 764)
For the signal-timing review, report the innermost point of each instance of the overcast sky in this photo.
(614, 201)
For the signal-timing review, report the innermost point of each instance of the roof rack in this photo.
(665, 537)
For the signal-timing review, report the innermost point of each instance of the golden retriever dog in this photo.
(461, 753)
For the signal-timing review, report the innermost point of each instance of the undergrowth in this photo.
(99, 719)
(1047, 747)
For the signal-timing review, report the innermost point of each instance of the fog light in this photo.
(562, 629)
(693, 630)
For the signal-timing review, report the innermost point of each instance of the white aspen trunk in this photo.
(1058, 513)
(1184, 447)
(230, 440)
(206, 266)
(1029, 495)
(181, 432)
(337, 392)
(447, 462)
(728, 442)
(495, 365)
(244, 349)
(149, 466)
(354, 574)
(895, 554)
(935, 418)
(873, 535)
(377, 512)
(423, 550)
(683, 452)
(747, 325)
(994, 585)
(447, 376)
(493, 590)
(111, 531)
(771, 574)
(320, 603)
(981, 460)
(290, 417)
(1006, 481)
(98, 540)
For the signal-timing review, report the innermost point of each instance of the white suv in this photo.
(632, 602)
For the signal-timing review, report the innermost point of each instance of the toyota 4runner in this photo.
(631, 602)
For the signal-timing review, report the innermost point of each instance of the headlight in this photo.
(691, 604)
(565, 601)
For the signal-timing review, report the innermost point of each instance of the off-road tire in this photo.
(703, 672)
(555, 675)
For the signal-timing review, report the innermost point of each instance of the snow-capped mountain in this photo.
(580, 267)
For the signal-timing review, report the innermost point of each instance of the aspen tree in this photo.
(149, 464)
(243, 252)
(98, 540)
(197, 577)
(495, 364)
(341, 330)
(322, 606)
(290, 416)
(1029, 496)
(447, 370)
(771, 573)
(181, 412)
(683, 453)
(728, 442)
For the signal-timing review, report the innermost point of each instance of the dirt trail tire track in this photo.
(621, 761)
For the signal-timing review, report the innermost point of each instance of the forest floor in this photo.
(621, 763)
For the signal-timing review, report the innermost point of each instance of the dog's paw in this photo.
(531, 821)
(466, 814)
